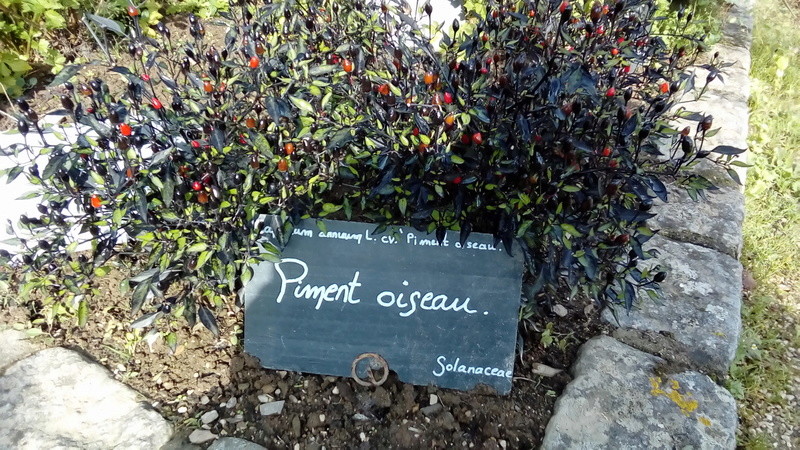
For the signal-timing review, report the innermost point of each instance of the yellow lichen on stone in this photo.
(684, 401)
(704, 420)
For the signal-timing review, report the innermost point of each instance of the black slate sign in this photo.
(438, 314)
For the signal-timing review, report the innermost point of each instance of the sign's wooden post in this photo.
(436, 314)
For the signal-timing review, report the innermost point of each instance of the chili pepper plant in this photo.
(546, 124)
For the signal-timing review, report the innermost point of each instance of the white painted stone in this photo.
(57, 399)
(617, 400)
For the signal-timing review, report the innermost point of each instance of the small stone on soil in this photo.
(209, 416)
(315, 421)
(360, 417)
(296, 425)
(434, 399)
(182, 410)
(560, 310)
(265, 398)
(200, 436)
(335, 390)
(204, 400)
(231, 402)
(432, 409)
(269, 409)
(545, 371)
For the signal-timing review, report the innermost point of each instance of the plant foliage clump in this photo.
(32, 31)
(545, 124)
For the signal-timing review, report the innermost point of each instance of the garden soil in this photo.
(205, 372)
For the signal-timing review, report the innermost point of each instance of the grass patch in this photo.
(765, 368)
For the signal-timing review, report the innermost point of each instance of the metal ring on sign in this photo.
(376, 362)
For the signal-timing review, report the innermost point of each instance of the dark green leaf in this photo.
(734, 176)
(208, 320)
(728, 150)
(13, 173)
(66, 74)
(146, 320)
(339, 139)
(139, 295)
(146, 275)
(106, 23)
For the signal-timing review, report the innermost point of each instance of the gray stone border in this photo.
(648, 386)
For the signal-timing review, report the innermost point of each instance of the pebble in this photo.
(182, 410)
(503, 443)
(434, 399)
(296, 426)
(268, 388)
(335, 390)
(200, 436)
(432, 409)
(359, 416)
(362, 436)
(545, 371)
(209, 416)
(272, 408)
(277, 392)
(231, 403)
(236, 419)
(204, 400)
(560, 310)
(265, 398)
(293, 399)
(315, 421)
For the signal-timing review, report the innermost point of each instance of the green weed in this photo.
(762, 369)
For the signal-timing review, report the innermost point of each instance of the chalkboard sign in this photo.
(436, 314)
